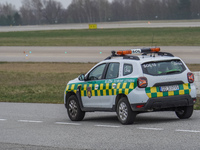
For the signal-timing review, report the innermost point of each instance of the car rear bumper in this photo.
(164, 102)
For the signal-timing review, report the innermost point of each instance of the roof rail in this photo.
(159, 53)
(122, 56)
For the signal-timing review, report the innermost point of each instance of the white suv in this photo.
(130, 84)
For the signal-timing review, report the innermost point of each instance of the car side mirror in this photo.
(81, 77)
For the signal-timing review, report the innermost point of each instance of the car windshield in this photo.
(163, 67)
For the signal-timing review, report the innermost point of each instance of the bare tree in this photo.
(52, 11)
(7, 9)
(118, 10)
(84, 11)
(195, 9)
(184, 9)
(28, 13)
(7, 12)
(132, 9)
(103, 10)
(37, 8)
(41, 11)
(80, 11)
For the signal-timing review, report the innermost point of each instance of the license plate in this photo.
(169, 88)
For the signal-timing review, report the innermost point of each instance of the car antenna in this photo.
(152, 40)
(153, 44)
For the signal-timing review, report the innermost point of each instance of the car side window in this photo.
(96, 73)
(128, 69)
(113, 71)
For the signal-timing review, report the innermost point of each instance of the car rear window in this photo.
(163, 67)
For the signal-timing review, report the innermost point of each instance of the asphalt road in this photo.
(190, 54)
(47, 127)
(106, 25)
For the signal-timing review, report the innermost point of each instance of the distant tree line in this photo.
(35, 12)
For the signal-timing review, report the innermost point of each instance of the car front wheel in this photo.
(124, 112)
(73, 108)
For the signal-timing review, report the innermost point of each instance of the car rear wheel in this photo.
(73, 108)
(124, 112)
(184, 112)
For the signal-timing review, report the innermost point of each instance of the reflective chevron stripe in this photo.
(104, 87)
(153, 92)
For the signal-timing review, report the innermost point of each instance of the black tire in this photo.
(124, 112)
(184, 112)
(73, 109)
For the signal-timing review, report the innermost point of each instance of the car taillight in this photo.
(190, 76)
(142, 82)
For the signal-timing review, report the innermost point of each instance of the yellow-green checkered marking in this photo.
(154, 92)
(105, 87)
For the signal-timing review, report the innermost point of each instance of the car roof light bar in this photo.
(122, 56)
(142, 50)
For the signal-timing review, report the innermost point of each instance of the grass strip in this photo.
(37, 82)
(185, 36)
(43, 82)
(33, 87)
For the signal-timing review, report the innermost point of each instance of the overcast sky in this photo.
(18, 3)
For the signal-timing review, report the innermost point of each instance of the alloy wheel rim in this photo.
(123, 111)
(73, 108)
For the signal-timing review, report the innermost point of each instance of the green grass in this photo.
(104, 37)
(33, 87)
(37, 82)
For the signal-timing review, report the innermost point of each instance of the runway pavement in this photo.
(190, 54)
(106, 25)
(47, 127)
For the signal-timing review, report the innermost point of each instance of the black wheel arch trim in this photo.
(78, 95)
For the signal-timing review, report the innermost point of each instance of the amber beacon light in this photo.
(135, 51)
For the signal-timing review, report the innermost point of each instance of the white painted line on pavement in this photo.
(2, 119)
(65, 123)
(107, 126)
(30, 121)
(156, 129)
(191, 131)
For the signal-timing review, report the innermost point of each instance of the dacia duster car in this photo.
(130, 84)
